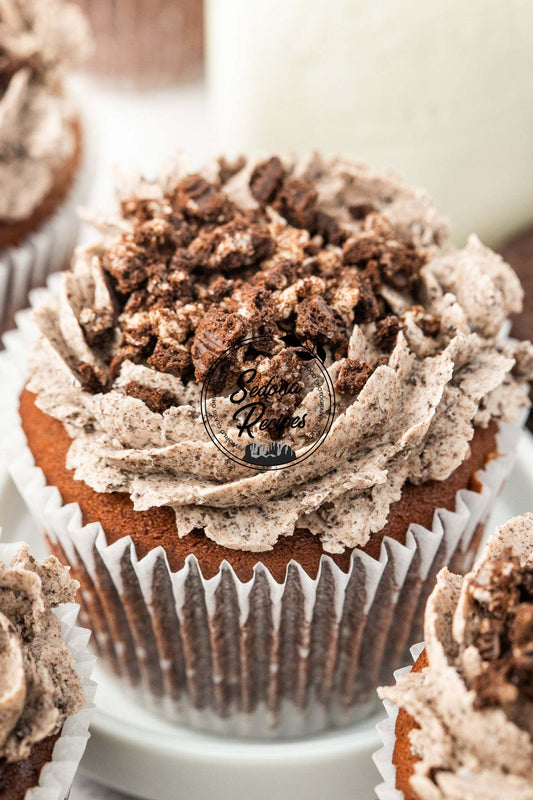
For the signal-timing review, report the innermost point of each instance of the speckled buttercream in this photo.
(474, 702)
(343, 257)
(40, 42)
(39, 685)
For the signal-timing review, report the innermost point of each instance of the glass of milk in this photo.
(440, 91)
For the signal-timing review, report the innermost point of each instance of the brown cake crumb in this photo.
(89, 379)
(266, 180)
(197, 198)
(387, 331)
(353, 376)
(216, 332)
(297, 203)
(97, 325)
(157, 400)
(172, 358)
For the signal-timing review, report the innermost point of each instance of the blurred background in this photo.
(441, 92)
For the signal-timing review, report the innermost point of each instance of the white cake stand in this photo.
(143, 755)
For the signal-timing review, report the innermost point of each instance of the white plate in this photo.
(139, 753)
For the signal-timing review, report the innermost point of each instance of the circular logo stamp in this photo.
(268, 403)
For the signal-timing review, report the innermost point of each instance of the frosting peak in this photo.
(39, 686)
(474, 703)
(323, 252)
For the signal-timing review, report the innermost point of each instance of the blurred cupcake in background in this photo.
(41, 143)
(45, 691)
(146, 43)
(462, 721)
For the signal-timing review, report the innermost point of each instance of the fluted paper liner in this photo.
(49, 248)
(387, 730)
(256, 658)
(58, 774)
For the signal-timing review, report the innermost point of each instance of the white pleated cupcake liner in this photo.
(256, 658)
(49, 248)
(58, 774)
(387, 730)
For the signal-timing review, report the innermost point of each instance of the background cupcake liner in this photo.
(47, 249)
(387, 730)
(147, 42)
(248, 658)
(58, 774)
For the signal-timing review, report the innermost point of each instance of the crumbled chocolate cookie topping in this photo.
(505, 638)
(197, 273)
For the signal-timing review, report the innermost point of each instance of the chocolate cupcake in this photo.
(40, 144)
(465, 725)
(44, 711)
(274, 406)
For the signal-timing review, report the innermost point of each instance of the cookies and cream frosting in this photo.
(473, 704)
(39, 686)
(349, 261)
(40, 42)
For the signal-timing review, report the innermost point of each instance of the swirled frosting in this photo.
(348, 260)
(474, 702)
(40, 41)
(39, 686)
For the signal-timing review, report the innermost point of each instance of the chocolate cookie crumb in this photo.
(387, 331)
(353, 376)
(157, 400)
(88, 378)
(297, 203)
(266, 180)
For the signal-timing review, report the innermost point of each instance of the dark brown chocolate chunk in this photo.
(234, 245)
(157, 400)
(97, 325)
(216, 333)
(126, 262)
(297, 203)
(172, 358)
(357, 250)
(197, 198)
(329, 229)
(266, 180)
(361, 210)
(367, 309)
(387, 331)
(317, 322)
(88, 378)
(353, 376)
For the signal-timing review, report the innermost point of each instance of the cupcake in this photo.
(40, 143)
(262, 413)
(465, 725)
(147, 43)
(44, 688)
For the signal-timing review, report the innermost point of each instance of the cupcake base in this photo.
(49, 443)
(274, 655)
(13, 233)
